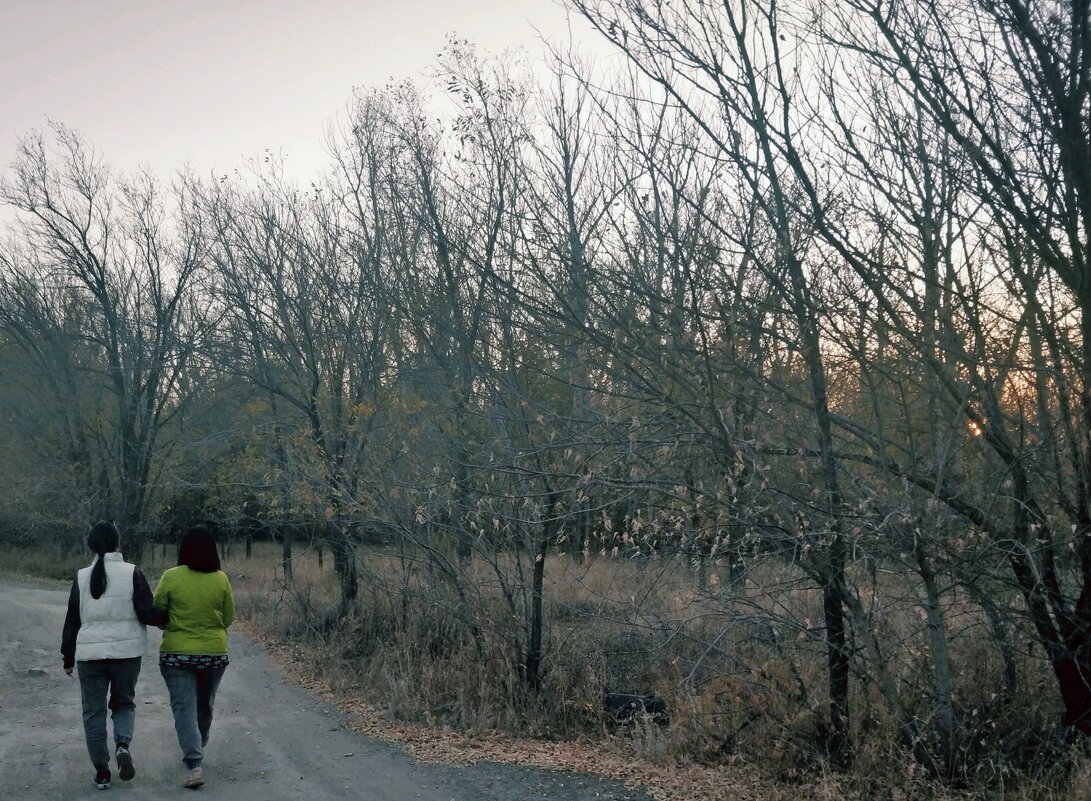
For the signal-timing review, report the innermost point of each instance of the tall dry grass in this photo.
(742, 668)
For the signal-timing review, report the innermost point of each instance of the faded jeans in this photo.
(192, 693)
(118, 678)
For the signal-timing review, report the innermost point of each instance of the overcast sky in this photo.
(209, 82)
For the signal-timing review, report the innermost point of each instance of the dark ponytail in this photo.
(102, 539)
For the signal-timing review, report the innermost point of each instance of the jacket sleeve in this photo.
(72, 625)
(228, 609)
(162, 594)
(143, 603)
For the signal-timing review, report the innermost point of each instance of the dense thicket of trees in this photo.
(799, 287)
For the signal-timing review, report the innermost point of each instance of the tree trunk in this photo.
(344, 564)
(1073, 674)
(941, 665)
(550, 529)
(286, 554)
(534, 644)
(837, 660)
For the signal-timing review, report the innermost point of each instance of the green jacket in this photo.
(201, 608)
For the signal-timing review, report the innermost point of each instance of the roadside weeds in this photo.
(444, 745)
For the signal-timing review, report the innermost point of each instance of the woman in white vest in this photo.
(104, 638)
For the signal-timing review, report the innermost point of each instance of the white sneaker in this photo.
(194, 779)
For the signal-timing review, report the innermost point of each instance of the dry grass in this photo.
(742, 670)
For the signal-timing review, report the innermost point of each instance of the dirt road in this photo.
(269, 741)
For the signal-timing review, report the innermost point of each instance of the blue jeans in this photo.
(192, 693)
(118, 678)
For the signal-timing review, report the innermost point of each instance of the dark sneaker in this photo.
(194, 778)
(125, 768)
(102, 779)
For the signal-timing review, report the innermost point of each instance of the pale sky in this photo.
(163, 83)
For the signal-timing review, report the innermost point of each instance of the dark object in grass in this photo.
(627, 708)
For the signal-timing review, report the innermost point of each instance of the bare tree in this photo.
(724, 66)
(112, 266)
(1007, 84)
(304, 293)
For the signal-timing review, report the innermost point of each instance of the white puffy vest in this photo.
(108, 625)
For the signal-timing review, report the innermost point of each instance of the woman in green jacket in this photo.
(193, 655)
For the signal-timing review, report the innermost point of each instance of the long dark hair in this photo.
(102, 539)
(197, 551)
